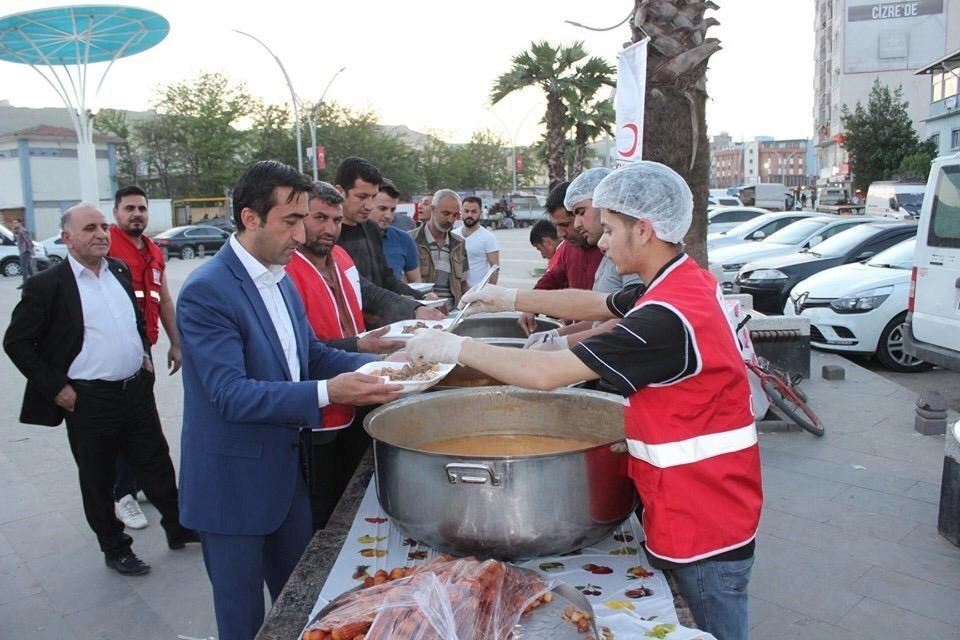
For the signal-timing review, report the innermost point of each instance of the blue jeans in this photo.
(26, 266)
(716, 592)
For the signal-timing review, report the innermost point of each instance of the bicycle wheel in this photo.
(792, 407)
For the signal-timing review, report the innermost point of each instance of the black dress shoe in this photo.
(181, 537)
(128, 564)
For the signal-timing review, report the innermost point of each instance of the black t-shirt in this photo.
(650, 345)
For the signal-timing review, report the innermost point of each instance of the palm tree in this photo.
(674, 124)
(555, 70)
(589, 121)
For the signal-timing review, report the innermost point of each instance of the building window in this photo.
(950, 83)
(955, 139)
(935, 139)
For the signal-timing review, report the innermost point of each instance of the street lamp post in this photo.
(313, 122)
(293, 97)
(513, 141)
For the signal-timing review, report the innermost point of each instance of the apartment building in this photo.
(860, 41)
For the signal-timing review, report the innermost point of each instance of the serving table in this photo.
(614, 573)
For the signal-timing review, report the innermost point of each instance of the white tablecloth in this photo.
(373, 544)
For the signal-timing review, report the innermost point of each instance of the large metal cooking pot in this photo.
(500, 506)
(462, 377)
(499, 325)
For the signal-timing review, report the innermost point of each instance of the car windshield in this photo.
(796, 232)
(748, 226)
(841, 244)
(913, 199)
(899, 256)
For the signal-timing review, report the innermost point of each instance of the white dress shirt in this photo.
(112, 348)
(266, 281)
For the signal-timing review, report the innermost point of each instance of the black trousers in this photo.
(332, 459)
(108, 419)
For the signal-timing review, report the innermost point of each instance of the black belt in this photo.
(114, 385)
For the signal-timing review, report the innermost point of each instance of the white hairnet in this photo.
(581, 188)
(651, 191)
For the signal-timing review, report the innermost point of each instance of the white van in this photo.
(831, 195)
(932, 330)
(899, 200)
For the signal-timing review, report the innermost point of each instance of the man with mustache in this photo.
(336, 296)
(80, 340)
(443, 255)
(129, 243)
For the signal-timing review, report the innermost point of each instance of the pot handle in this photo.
(466, 473)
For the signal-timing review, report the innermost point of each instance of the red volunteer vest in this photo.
(146, 272)
(323, 314)
(693, 442)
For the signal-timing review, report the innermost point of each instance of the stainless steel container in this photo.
(501, 506)
(499, 325)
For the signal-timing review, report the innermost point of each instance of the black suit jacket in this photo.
(46, 334)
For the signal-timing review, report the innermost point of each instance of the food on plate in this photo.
(419, 324)
(505, 445)
(408, 373)
(661, 630)
(486, 599)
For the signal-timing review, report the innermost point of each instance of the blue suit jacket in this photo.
(241, 411)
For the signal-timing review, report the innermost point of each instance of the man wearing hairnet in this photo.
(694, 457)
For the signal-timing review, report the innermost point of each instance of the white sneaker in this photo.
(129, 512)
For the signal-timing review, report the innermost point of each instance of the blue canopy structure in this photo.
(59, 43)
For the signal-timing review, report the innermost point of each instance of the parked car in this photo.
(769, 280)
(861, 308)
(932, 330)
(226, 224)
(756, 229)
(55, 248)
(191, 241)
(898, 200)
(724, 201)
(802, 234)
(10, 254)
(723, 218)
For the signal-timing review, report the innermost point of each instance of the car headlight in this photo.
(764, 274)
(862, 301)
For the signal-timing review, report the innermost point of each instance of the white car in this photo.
(723, 218)
(800, 235)
(56, 250)
(757, 228)
(10, 255)
(861, 308)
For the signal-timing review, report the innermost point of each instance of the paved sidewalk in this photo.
(848, 547)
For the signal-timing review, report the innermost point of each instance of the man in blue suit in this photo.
(254, 374)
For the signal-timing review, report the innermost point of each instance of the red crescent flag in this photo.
(520, 163)
(629, 101)
(321, 157)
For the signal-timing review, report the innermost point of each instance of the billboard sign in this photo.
(891, 36)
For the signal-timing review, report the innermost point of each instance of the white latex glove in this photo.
(551, 343)
(540, 336)
(432, 345)
(489, 299)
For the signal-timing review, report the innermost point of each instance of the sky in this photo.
(430, 64)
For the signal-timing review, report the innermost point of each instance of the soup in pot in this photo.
(505, 445)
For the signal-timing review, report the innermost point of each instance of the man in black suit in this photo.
(79, 338)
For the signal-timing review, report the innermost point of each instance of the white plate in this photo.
(435, 303)
(422, 287)
(412, 386)
(396, 331)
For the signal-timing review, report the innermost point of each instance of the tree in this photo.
(674, 123)
(210, 151)
(114, 121)
(555, 70)
(878, 136)
(915, 167)
(272, 136)
(344, 133)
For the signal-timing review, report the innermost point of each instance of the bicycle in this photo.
(786, 399)
(780, 389)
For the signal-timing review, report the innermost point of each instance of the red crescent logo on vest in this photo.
(632, 128)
